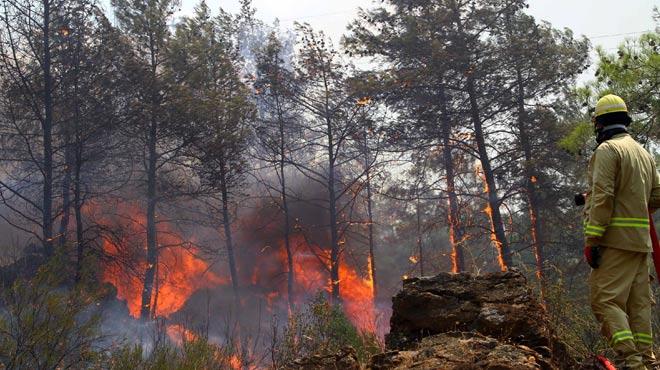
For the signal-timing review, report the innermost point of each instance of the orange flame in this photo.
(235, 362)
(489, 212)
(311, 275)
(179, 272)
(179, 334)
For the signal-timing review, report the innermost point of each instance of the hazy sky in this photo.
(600, 18)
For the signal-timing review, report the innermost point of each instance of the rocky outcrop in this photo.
(460, 320)
(463, 351)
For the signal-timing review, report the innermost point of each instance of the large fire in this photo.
(180, 273)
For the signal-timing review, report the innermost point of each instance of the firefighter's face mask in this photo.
(597, 126)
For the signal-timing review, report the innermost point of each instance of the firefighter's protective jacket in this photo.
(623, 184)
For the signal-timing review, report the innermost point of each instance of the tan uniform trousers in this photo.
(620, 293)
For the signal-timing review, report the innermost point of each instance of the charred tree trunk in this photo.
(498, 235)
(497, 227)
(68, 156)
(285, 210)
(530, 185)
(47, 128)
(334, 235)
(226, 223)
(152, 243)
(370, 220)
(287, 243)
(77, 209)
(420, 244)
(370, 216)
(456, 233)
(332, 199)
(66, 191)
(76, 152)
(154, 305)
(152, 180)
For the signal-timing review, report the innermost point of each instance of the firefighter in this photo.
(623, 185)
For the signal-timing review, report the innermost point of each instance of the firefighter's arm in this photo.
(605, 170)
(654, 200)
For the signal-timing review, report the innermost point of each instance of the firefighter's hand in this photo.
(592, 255)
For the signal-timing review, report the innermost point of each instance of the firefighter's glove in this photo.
(592, 255)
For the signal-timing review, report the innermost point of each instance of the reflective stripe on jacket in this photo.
(623, 184)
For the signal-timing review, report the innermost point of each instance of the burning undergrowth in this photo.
(190, 292)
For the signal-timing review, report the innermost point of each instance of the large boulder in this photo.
(462, 322)
(498, 306)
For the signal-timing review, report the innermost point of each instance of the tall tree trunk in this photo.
(530, 185)
(226, 222)
(68, 158)
(154, 304)
(287, 222)
(370, 216)
(332, 198)
(420, 244)
(66, 192)
(334, 234)
(152, 179)
(76, 152)
(498, 236)
(47, 128)
(77, 209)
(456, 233)
(152, 243)
(497, 227)
(370, 225)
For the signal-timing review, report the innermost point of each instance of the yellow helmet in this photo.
(610, 104)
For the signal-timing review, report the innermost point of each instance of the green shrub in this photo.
(320, 328)
(197, 354)
(570, 315)
(46, 325)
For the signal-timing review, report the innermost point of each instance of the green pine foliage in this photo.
(633, 72)
(577, 138)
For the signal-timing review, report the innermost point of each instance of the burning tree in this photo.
(277, 127)
(161, 133)
(458, 79)
(535, 74)
(416, 87)
(94, 93)
(334, 118)
(218, 104)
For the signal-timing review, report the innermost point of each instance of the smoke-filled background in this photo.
(181, 181)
